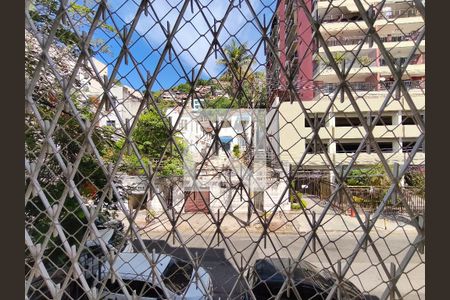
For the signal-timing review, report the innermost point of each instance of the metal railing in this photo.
(388, 15)
(355, 41)
(369, 198)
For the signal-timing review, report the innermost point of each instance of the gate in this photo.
(196, 201)
(240, 97)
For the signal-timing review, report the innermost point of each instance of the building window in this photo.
(352, 147)
(355, 121)
(408, 146)
(316, 145)
(111, 123)
(383, 121)
(409, 120)
(385, 146)
(397, 61)
(347, 121)
(348, 147)
(319, 118)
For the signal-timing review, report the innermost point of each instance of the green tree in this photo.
(183, 87)
(204, 82)
(89, 178)
(44, 12)
(237, 63)
(236, 151)
(416, 178)
(375, 177)
(68, 138)
(151, 137)
(371, 176)
(221, 103)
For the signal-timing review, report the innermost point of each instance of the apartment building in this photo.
(399, 25)
(124, 100)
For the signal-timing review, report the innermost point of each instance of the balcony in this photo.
(351, 6)
(369, 87)
(358, 132)
(345, 158)
(291, 48)
(360, 73)
(386, 26)
(289, 8)
(355, 86)
(401, 47)
(343, 41)
(410, 84)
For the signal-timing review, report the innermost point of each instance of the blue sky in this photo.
(191, 42)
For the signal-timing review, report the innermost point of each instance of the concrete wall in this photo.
(292, 132)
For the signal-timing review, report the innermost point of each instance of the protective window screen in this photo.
(224, 149)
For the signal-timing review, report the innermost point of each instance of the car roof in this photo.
(105, 234)
(274, 269)
(136, 266)
(281, 263)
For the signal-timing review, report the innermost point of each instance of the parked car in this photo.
(268, 276)
(178, 277)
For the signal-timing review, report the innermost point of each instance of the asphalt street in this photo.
(368, 269)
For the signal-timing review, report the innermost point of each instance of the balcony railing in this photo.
(320, 67)
(391, 14)
(354, 41)
(368, 87)
(400, 13)
(409, 84)
(324, 66)
(329, 88)
(356, 86)
(344, 41)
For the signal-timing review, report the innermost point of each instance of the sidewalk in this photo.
(284, 222)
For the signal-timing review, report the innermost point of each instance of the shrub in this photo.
(236, 151)
(358, 200)
(294, 199)
(266, 215)
(297, 206)
(364, 60)
(151, 214)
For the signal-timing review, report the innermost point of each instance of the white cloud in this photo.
(193, 38)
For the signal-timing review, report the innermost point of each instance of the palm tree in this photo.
(237, 61)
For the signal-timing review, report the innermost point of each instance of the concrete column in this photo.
(397, 143)
(331, 124)
(397, 118)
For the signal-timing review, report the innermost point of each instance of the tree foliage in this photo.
(252, 91)
(151, 137)
(236, 151)
(371, 176)
(183, 87)
(221, 103)
(89, 178)
(237, 63)
(416, 178)
(44, 12)
(68, 138)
